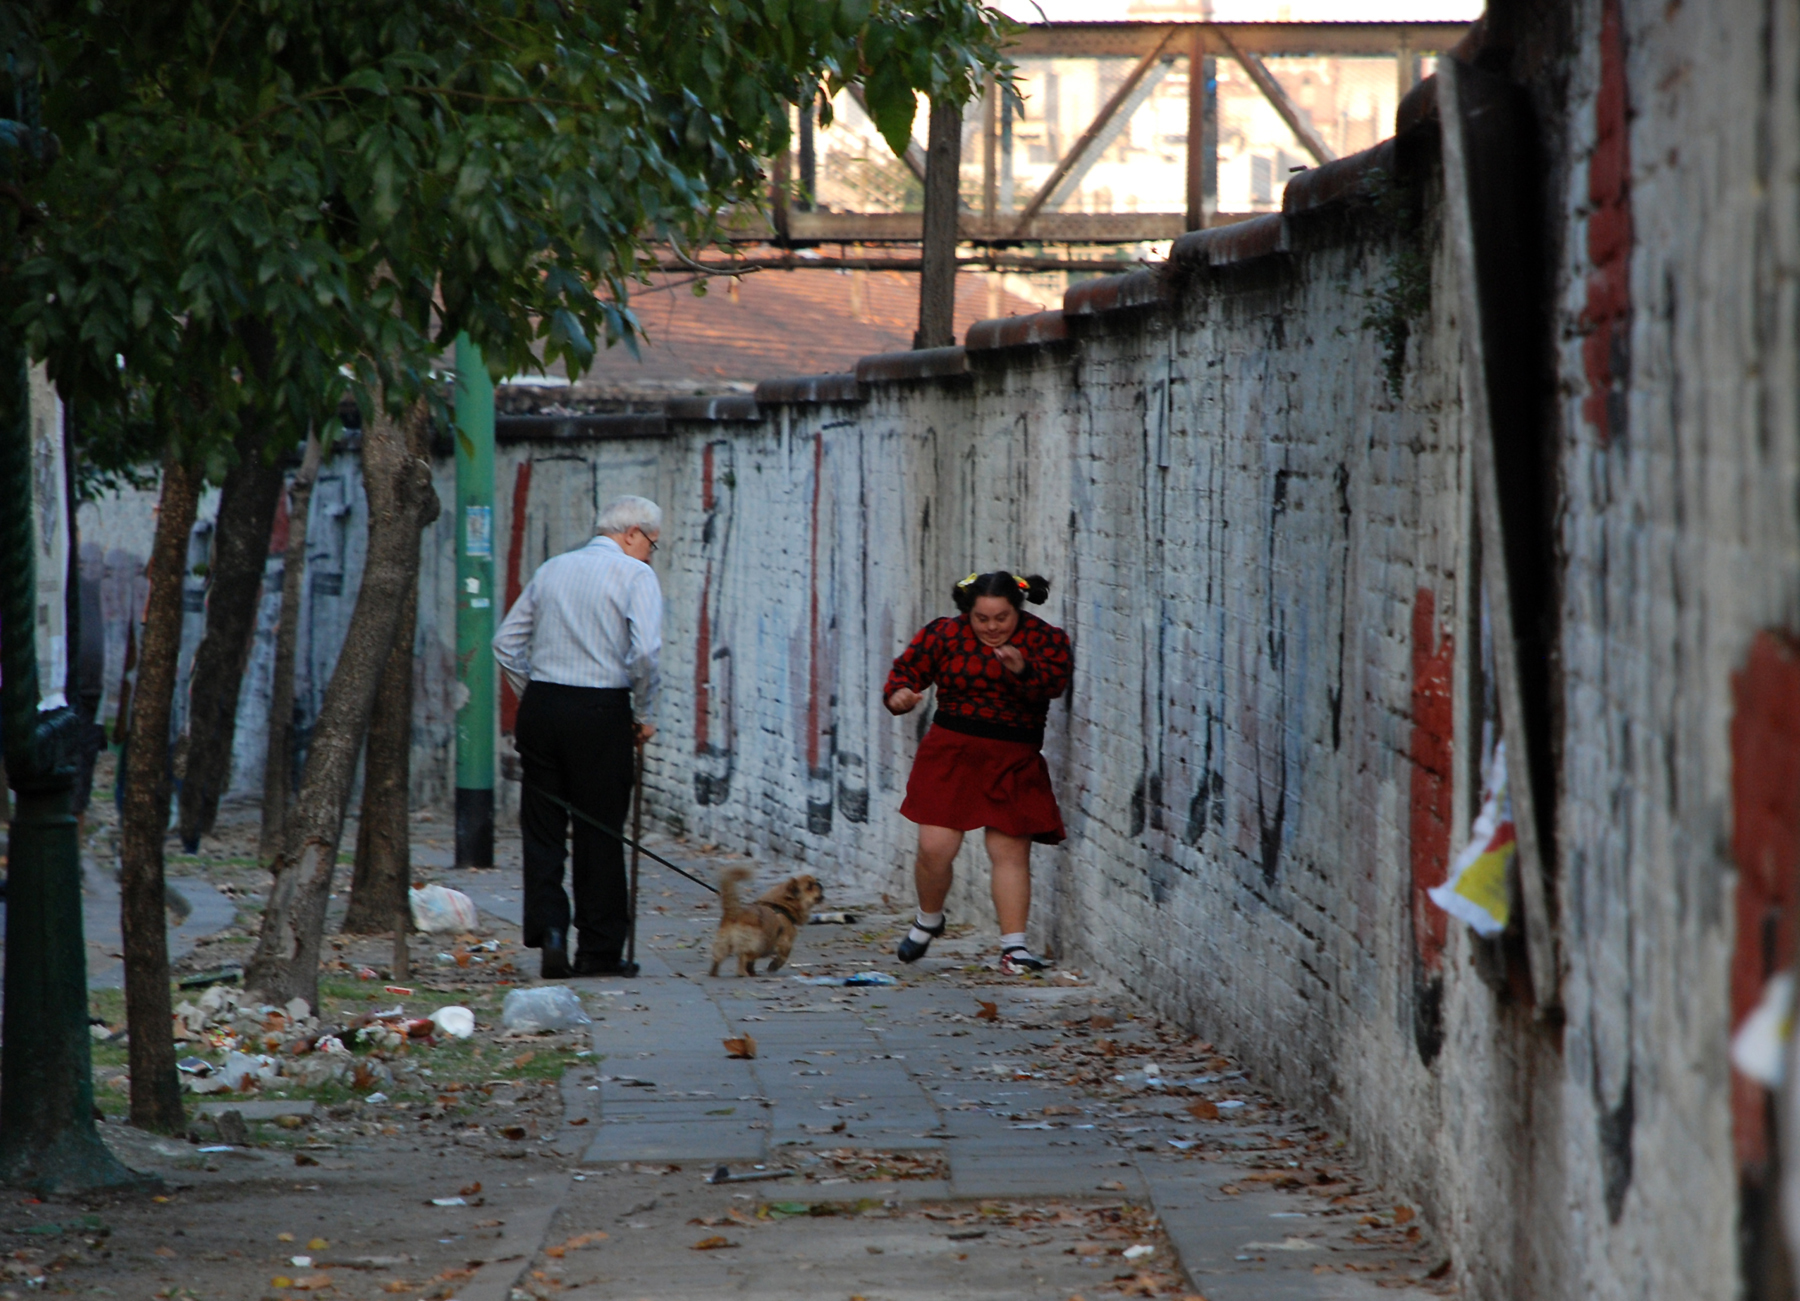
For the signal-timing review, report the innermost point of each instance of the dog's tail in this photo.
(728, 889)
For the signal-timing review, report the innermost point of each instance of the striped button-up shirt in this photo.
(591, 617)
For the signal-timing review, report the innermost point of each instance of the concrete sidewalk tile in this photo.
(680, 1142)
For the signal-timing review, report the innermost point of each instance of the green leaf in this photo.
(892, 104)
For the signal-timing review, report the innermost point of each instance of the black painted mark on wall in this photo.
(1616, 1128)
(1428, 1012)
(1271, 805)
(1335, 692)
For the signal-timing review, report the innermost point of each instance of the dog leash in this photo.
(620, 836)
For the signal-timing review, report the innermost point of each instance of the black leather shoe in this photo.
(555, 949)
(586, 964)
(911, 950)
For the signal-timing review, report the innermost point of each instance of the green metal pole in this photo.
(475, 714)
(47, 1137)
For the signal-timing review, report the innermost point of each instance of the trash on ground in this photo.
(832, 919)
(437, 909)
(723, 1175)
(216, 976)
(456, 1021)
(449, 1201)
(860, 978)
(546, 1007)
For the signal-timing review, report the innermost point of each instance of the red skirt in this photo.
(965, 782)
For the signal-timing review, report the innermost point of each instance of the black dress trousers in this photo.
(575, 744)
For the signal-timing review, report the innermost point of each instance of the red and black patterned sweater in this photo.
(975, 693)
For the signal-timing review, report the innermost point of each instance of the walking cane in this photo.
(637, 835)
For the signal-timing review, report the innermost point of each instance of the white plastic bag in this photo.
(547, 1007)
(457, 1022)
(439, 909)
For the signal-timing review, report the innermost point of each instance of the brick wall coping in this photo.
(1150, 287)
(1017, 331)
(545, 429)
(920, 363)
(1240, 242)
(723, 406)
(841, 387)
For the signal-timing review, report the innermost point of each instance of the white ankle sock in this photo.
(924, 927)
(1016, 940)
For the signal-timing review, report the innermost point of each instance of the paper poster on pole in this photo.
(50, 538)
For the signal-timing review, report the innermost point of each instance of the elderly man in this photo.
(581, 639)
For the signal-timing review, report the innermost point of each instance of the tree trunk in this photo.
(383, 846)
(240, 555)
(937, 245)
(401, 502)
(278, 766)
(144, 823)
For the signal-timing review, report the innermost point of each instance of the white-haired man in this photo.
(579, 642)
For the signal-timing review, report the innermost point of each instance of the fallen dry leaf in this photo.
(579, 1120)
(311, 1283)
(1201, 1109)
(1100, 1022)
(1231, 1190)
(575, 1244)
(318, 1244)
(470, 1191)
(744, 1047)
(1402, 1214)
(713, 1243)
(523, 1059)
(514, 1132)
(989, 1011)
(164, 1251)
(396, 1285)
(300, 1158)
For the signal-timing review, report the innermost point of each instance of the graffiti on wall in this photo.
(714, 723)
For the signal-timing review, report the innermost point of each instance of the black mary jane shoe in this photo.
(588, 965)
(555, 956)
(911, 950)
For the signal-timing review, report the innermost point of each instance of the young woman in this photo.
(996, 670)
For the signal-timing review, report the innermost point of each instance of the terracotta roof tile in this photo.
(782, 323)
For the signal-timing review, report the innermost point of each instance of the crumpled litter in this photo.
(860, 978)
(456, 1021)
(437, 909)
(546, 1007)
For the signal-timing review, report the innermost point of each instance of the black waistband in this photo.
(596, 695)
(988, 731)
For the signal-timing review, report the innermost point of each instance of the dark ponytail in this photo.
(1034, 588)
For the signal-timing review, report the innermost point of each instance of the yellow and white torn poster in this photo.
(1476, 891)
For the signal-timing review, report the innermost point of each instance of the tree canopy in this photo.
(284, 202)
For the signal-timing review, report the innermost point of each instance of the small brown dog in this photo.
(766, 928)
